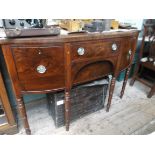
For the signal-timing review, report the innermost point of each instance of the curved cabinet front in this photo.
(92, 69)
(127, 52)
(44, 64)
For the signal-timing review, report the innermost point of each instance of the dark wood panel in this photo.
(128, 51)
(27, 61)
(85, 71)
(125, 55)
(94, 49)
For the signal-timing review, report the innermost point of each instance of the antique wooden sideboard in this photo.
(48, 64)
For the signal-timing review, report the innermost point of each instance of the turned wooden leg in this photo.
(23, 115)
(125, 81)
(112, 86)
(151, 92)
(67, 109)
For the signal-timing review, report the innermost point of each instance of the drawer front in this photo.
(127, 52)
(40, 68)
(92, 49)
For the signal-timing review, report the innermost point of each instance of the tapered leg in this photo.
(151, 92)
(23, 115)
(67, 109)
(112, 86)
(125, 81)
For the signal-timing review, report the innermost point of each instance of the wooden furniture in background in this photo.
(148, 51)
(7, 121)
(48, 64)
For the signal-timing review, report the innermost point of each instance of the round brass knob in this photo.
(81, 51)
(41, 69)
(114, 46)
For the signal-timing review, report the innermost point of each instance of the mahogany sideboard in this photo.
(53, 63)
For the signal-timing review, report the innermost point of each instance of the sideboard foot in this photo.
(28, 131)
(107, 108)
(132, 81)
(67, 127)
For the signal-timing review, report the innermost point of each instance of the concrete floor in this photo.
(132, 115)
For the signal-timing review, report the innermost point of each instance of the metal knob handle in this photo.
(114, 46)
(41, 69)
(81, 51)
(129, 54)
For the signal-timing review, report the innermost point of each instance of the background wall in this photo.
(134, 22)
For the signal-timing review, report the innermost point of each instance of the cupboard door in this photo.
(40, 68)
(125, 54)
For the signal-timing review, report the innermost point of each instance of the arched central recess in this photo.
(93, 70)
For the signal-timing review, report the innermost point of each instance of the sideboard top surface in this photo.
(68, 37)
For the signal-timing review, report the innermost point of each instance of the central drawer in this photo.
(92, 49)
(40, 68)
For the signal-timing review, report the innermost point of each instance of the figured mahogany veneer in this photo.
(101, 48)
(28, 58)
(45, 64)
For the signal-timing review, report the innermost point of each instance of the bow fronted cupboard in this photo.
(49, 64)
